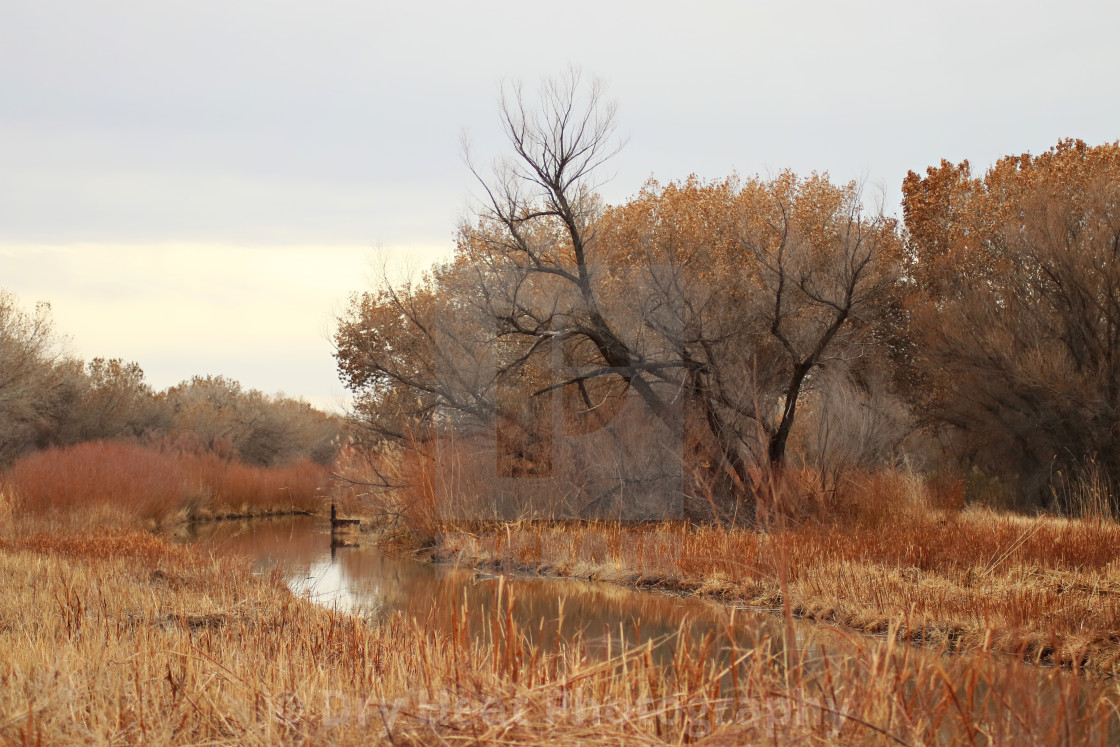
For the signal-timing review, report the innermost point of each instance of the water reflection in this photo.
(365, 580)
(595, 618)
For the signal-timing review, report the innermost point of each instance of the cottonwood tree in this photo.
(215, 414)
(710, 305)
(767, 281)
(113, 400)
(1016, 312)
(415, 352)
(32, 377)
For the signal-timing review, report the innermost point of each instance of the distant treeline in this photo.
(50, 399)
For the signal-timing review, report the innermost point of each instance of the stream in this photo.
(368, 581)
(597, 616)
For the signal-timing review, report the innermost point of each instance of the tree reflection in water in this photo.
(368, 581)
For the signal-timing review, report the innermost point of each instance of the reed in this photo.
(1044, 590)
(120, 637)
(877, 547)
(113, 635)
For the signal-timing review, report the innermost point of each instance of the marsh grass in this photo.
(863, 550)
(1044, 590)
(1085, 492)
(122, 638)
(125, 484)
(880, 548)
(115, 636)
(869, 549)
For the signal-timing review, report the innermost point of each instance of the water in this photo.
(367, 581)
(598, 617)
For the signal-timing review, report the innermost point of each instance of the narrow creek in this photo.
(599, 616)
(368, 581)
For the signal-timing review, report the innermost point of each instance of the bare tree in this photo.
(821, 278)
(536, 234)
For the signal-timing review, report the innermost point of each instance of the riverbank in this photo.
(1044, 590)
(111, 634)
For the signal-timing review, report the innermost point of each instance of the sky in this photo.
(200, 186)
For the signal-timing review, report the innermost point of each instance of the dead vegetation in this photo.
(1046, 590)
(126, 639)
(124, 484)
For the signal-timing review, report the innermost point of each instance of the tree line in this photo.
(50, 399)
(720, 333)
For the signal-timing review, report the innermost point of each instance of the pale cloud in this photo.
(263, 315)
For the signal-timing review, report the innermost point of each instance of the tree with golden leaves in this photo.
(713, 305)
(1016, 313)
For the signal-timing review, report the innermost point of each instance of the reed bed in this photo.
(1045, 590)
(867, 551)
(123, 484)
(112, 635)
(122, 638)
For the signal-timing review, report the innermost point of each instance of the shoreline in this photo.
(518, 550)
(247, 516)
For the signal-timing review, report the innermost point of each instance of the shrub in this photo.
(151, 484)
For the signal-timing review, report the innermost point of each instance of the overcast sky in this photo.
(197, 186)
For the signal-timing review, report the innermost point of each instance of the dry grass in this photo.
(866, 551)
(114, 636)
(115, 483)
(124, 639)
(1046, 590)
(234, 488)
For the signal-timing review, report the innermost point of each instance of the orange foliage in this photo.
(1015, 313)
(962, 229)
(149, 484)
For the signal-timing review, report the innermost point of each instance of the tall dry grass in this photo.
(416, 488)
(1044, 590)
(864, 550)
(231, 487)
(111, 482)
(1085, 491)
(449, 479)
(880, 548)
(121, 638)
